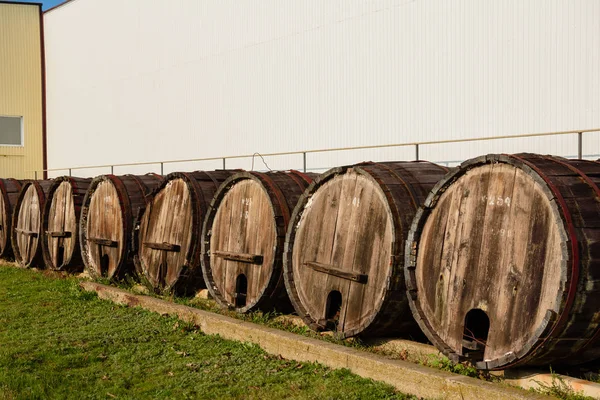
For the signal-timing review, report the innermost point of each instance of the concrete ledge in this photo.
(406, 377)
(405, 349)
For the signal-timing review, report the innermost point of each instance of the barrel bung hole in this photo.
(162, 272)
(104, 264)
(241, 290)
(332, 309)
(475, 334)
(60, 256)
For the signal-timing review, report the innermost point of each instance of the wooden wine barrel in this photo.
(27, 223)
(167, 233)
(9, 193)
(502, 261)
(60, 222)
(344, 253)
(243, 239)
(106, 222)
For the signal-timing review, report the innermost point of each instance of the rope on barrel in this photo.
(471, 335)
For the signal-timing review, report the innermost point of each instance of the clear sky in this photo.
(46, 3)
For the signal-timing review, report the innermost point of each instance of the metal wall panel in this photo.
(21, 87)
(147, 80)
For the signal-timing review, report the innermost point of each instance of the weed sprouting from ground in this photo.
(443, 363)
(560, 389)
(58, 342)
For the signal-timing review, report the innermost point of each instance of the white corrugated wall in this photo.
(143, 80)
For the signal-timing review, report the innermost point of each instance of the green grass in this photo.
(273, 320)
(57, 342)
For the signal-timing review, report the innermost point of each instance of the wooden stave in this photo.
(284, 189)
(42, 187)
(202, 185)
(79, 187)
(539, 350)
(398, 182)
(9, 190)
(134, 193)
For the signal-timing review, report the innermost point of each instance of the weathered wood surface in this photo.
(243, 239)
(27, 223)
(9, 193)
(107, 219)
(351, 223)
(516, 237)
(60, 223)
(167, 234)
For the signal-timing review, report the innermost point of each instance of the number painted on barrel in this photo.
(246, 202)
(498, 201)
(501, 232)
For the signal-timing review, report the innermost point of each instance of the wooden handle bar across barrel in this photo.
(241, 257)
(59, 234)
(104, 242)
(330, 270)
(26, 232)
(163, 246)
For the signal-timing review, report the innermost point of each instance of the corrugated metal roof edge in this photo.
(22, 3)
(58, 6)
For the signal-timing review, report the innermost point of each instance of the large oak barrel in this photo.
(106, 222)
(344, 254)
(502, 261)
(9, 193)
(167, 232)
(27, 223)
(243, 239)
(60, 223)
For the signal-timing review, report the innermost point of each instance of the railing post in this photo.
(580, 145)
(161, 169)
(416, 151)
(70, 172)
(224, 167)
(304, 162)
(112, 169)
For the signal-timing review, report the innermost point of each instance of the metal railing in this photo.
(416, 146)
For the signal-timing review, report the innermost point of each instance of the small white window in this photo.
(11, 131)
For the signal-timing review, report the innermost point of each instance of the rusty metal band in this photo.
(298, 180)
(274, 188)
(582, 174)
(409, 188)
(302, 175)
(211, 177)
(16, 182)
(143, 188)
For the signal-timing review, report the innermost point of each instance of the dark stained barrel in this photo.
(167, 232)
(243, 239)
(9, 193)
(344, 254)
(106, 222)
(27, 223)
(502, 262)
(60, 223)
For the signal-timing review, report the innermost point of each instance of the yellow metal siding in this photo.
(21, 87)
